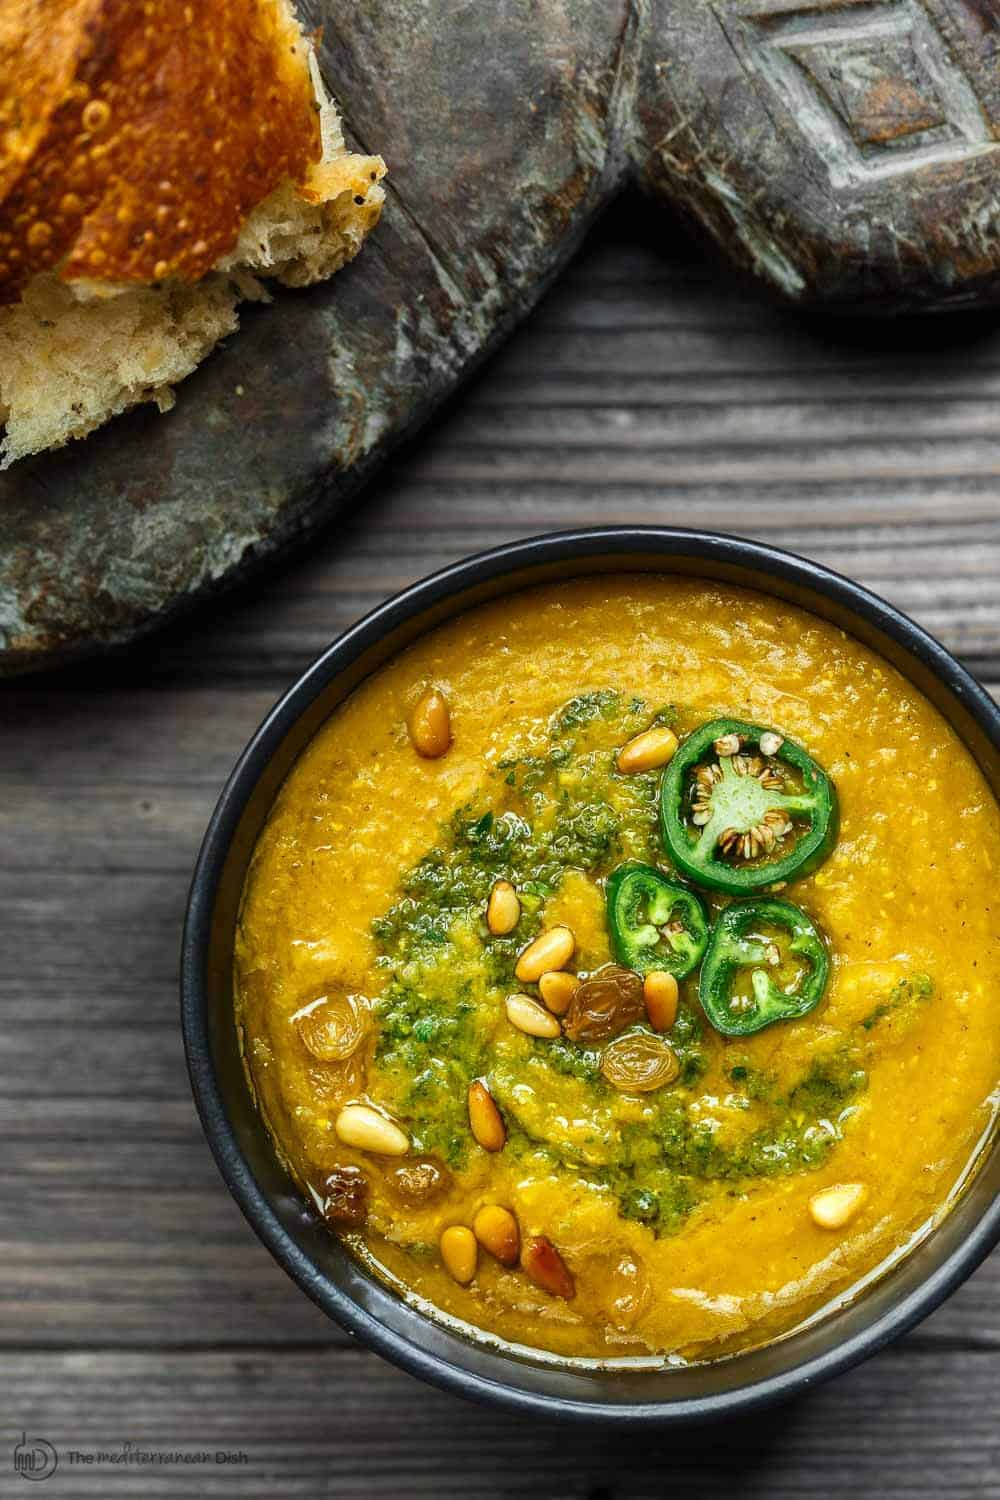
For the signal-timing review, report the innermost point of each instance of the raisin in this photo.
(345, 1197)
(604, 1005)
(640, 1063)
(419, 1180)
(333, 1026)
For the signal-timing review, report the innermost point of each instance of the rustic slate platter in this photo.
(838, 152)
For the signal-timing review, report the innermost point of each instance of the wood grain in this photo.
(135, 1303)
(340, 1423)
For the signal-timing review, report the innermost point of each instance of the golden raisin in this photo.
(333, 1026)
(420, 1181)
(639, 1063)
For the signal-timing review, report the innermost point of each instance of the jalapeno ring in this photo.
(655, 922)
(733, 946)
(725, 813)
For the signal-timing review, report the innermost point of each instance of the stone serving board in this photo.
(840, 153)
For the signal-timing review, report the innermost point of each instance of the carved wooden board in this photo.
(840, 152)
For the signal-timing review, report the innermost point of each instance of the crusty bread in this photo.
(83, 339)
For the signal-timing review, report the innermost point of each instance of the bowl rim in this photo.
(486, 566)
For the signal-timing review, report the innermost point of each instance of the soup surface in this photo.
(665, 1182)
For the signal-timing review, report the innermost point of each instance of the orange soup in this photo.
(618, 969)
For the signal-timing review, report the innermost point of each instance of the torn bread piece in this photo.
(156, 161)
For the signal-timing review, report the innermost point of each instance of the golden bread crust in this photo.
(136, 136)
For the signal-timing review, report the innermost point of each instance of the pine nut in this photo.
(547, 1269)
(503, 910)
(551, 950)
(363, 1127)
(496, 1230)
(647, 751)
(557, 989)
(836, 1206)
(530, 1017)
(459, 1253)
(485, 1120)
(659, 991)
(430, 725)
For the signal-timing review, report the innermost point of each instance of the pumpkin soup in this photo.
(618, 969)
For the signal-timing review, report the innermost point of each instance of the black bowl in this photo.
(431, 1348)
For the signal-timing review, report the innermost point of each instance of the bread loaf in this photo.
(158, 162)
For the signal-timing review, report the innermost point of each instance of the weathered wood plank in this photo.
(133, 1240)
(644, 390)
(345, 1424)
(947, 576)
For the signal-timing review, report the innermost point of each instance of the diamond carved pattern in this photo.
(872, 86)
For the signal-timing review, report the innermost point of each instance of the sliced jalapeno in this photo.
(785, 954)
(655, 922)
(741, 808)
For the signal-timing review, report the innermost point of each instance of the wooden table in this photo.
(138, 1307)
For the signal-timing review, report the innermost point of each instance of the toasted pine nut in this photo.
(550, 950)
(557, 989)
(546, 1267)
(503, 910)
(361, 1126)
(459, 1252)
(485, 1119)
(496, 1230)
(771, 743)
(659, 991)
(836, 1206)
(647, 751)
(530, 1017)
(430, 725)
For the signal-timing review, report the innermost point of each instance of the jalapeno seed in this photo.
(647, 751)
(550, 950)
(430, 725)
(503, 910)
(834, 1207)
(728, 744)
(459, 1253)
